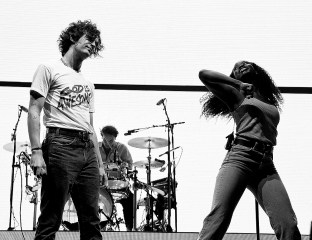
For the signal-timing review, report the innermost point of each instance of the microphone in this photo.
(130, 131)
(161, 101)
(163, 168)
(159, 160)
(23, 108)
(169, 151)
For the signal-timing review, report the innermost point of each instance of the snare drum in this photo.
(116, 177)
(117, 183)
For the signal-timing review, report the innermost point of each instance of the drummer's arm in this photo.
(126, 157)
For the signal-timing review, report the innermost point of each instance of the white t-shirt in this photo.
(69, 97)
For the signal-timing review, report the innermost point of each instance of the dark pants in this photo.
(246, 168)
(72, 168)
(127, 205)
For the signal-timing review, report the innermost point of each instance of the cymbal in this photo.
(157, 190)
(154, 163)
(142, 185)
(148, 142)
(20, 146)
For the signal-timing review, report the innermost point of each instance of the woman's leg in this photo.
(230, 185)
(271, 194)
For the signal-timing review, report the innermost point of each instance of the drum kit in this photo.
(21, 157)
(120, 182)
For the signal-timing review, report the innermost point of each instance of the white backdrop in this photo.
(168, 42)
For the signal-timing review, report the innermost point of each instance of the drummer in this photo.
(116, 154)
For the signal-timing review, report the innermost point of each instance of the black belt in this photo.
(69, 132)
(255, 145)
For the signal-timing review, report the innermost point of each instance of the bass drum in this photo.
(106, 207)
(70, 219)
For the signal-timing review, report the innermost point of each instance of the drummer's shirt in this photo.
(118, 154)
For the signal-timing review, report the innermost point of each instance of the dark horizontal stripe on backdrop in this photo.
(175, 88)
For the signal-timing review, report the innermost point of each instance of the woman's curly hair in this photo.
(212, 106)
(75, 31)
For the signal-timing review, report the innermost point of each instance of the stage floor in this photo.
(68, 235)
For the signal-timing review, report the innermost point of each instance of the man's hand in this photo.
(37, 164)
(247, 89)
(103, 177)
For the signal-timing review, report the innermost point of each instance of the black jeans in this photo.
(127, 207)
(72, 168)
(244, 168)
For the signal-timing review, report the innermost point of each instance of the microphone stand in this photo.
(174, 178)
(168, 228)
(14, 164)
(140, 129)
(174, 183)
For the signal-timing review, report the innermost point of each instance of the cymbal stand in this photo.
(14, 165)
(149, 206)
(135, 180)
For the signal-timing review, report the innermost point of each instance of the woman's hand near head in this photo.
(246, 89)
(224, 87)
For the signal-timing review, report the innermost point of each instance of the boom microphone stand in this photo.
(170, 131)
(169, 228)
(14, 165)
(174, 181)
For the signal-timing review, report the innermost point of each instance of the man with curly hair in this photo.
(68, 160)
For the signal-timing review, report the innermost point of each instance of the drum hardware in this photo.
(20, 146)
(108, 211)
(70, 226)
(133, 175)
(146, 187)
(159, 225)
(148, 143)
(31, 190)
(171, 165)
(13, 147)
(25, 160)
(112, 223)
(70, 215)
(117, 181)
(161, 184)
(157, 163)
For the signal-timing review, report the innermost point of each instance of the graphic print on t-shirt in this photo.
(77, 95)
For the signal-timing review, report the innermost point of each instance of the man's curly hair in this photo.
(75, 31)
(212, 106)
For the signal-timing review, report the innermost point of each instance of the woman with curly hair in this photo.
(68, 160)
(250, 97)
